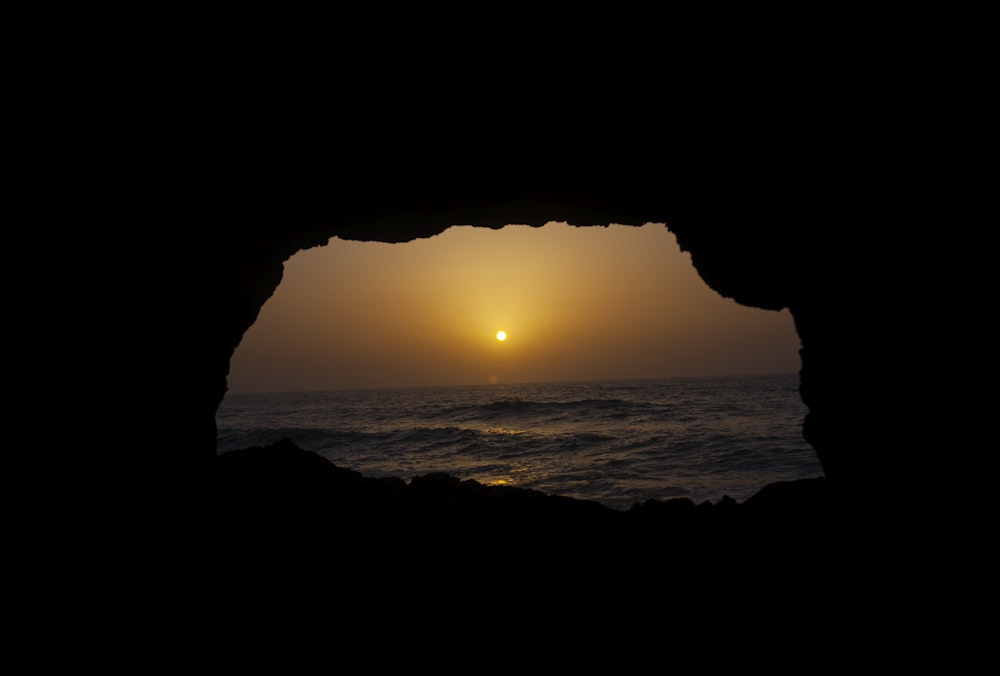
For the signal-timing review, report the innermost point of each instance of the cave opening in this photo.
(622, 375)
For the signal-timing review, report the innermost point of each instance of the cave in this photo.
(785, 231)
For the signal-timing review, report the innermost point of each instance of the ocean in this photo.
(615, 442)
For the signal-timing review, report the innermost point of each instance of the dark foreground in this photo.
(282, 493)
(290, 528)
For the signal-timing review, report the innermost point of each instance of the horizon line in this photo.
(501, 384)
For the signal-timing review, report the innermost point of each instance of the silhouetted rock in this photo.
(285, 494)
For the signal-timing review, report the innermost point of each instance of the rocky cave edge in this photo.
(763, 237)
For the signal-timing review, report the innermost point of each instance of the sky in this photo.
(577, 304)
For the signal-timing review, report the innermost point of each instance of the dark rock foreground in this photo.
(286, 494)
(292, 529)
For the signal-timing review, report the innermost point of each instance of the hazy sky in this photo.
(584, 303)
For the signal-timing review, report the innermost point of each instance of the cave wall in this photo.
(769, 235)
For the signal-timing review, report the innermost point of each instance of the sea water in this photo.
(615, 442)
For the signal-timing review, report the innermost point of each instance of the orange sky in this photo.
(585, 303)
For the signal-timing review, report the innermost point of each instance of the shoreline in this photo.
(282, 483)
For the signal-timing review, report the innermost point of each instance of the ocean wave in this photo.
(581, 409)
(701, 438)
(234, 439)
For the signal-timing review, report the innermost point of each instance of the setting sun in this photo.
(587, 303)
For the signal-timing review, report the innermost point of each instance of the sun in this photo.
(501, 336)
